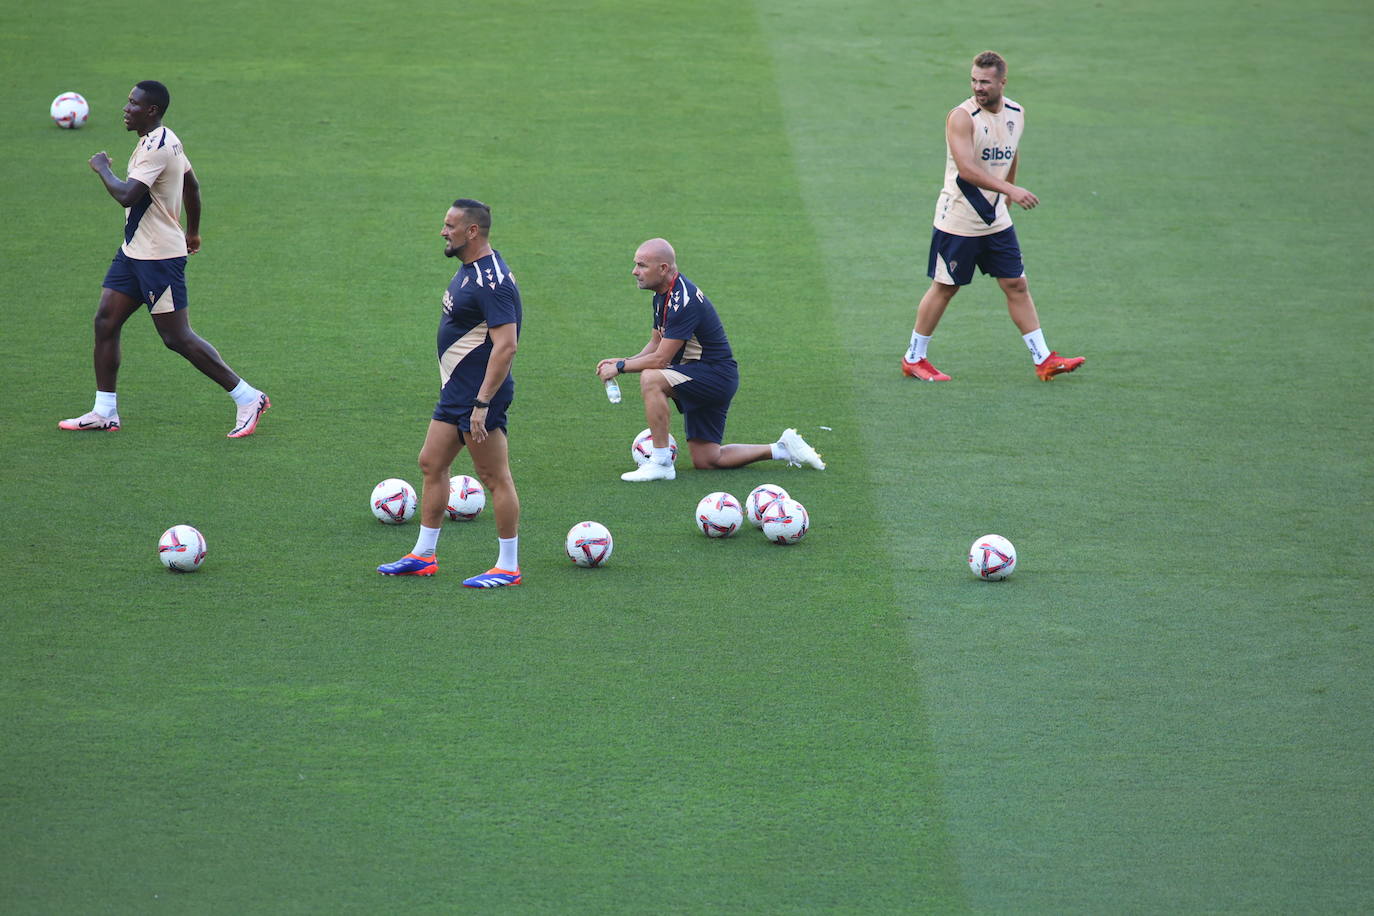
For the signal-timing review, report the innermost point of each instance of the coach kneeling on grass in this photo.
(688, 360)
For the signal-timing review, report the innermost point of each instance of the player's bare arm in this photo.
(660, 358)
(959, 136)
(503, 345)
(126, 192)
(606, 370)
(190, 199)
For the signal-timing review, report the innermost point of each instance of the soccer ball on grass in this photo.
(992, 558)
(719, 515)
(465, 498)
(393, 501)
(785, 521)
(589, 544)
(759, 499)
(181, 548)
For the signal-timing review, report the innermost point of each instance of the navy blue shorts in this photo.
(160, 285)
(461, 415)
(702, 392)
(455, 405)
(953, 257)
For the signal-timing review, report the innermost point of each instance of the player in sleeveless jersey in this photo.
(479, 329)
(688, 360)
(149, 267)
(973, 222)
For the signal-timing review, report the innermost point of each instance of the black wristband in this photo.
(619, 367)
(478, 402)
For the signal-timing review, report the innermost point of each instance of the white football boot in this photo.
(91, 421)
(650, 470)
(798, 452)
(246, 417)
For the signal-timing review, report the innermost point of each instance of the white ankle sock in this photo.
(1035, 340)
(427, 542)
(105, 403)
(244, 393)
(509, 556)
(917, 351)
(662, 455)
(779, 451)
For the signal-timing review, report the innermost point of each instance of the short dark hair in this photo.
(157, 94)
(475, 212)
(991, 60)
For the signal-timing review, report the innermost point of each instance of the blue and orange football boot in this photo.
(494, 578)
(410, 565)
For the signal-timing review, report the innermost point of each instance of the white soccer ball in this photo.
(69, 110)
(465, 498)
(719, 515)
(642, 449)
(181, 548)
(992, 558)
(759, 499)
(589, 544)
(393, 501)
(785, 521)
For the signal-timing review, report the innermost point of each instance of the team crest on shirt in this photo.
(1011, 127)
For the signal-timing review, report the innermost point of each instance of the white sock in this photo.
(244, 394)
(662, 455)
(105, 403)
(509, 557)
(917, 351)
(779, 451)
(1035, 340)
(427, 542)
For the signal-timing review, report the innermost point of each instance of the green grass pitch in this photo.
(1167, 708)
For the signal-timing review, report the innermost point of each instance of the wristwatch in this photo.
(478, 402)
(619, 367)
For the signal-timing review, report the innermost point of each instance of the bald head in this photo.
(657, 251)
(655, 265)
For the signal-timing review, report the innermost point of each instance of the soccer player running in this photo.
(150, 267)
(478, 332)
(688, 360)
(973, 224)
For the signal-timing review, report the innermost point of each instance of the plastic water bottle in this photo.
(612, 391)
